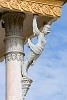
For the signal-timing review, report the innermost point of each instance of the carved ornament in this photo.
(32, 6)
(13, 56)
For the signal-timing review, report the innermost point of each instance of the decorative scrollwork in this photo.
(25, 6)
(57, 10)
(47, 10)
(34, 7)
(14, 4)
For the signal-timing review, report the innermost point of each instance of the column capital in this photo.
(13, 23)
(14, 42)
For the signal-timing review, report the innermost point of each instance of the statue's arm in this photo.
(46, 29)
(35, 28)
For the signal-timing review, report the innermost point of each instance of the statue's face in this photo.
(46, 29)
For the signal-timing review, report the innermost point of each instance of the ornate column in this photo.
(13, 23)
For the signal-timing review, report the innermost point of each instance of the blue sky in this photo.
(49, 73)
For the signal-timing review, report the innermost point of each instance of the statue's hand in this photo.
(46, 29)
(28, 42)
(35, 16)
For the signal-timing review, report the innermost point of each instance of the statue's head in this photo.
(46, 29)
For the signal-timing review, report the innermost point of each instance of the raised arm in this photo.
(35, 28)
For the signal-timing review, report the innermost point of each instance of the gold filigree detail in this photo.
(14, 4)
(25, 6)
(57, 10)
(36, 8)
(30, 6)
(4, 4)
(47, 10)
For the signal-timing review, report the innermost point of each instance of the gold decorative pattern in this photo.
(32, 6)
(56, 11)
(52, 2)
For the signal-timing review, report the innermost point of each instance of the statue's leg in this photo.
(32, 46)
(27, 63)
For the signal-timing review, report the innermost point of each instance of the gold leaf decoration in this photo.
(57, 11)
(47, 10)
(36, 8)
(14, 4)
(33, 7)
(4, 4)
(25, 6)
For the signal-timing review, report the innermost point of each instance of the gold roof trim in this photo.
(52, 2)
(49, 7)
